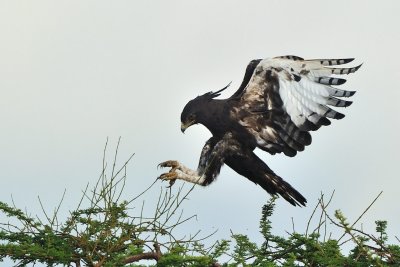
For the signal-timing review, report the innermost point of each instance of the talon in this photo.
(169, 163)
(168, 176)
(171, 183)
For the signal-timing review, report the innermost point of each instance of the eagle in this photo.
(279, 102)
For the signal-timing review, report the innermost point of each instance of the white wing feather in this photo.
(287, 96)
(305, 98)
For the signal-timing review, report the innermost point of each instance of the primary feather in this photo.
(296, 89)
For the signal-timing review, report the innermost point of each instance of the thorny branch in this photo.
(102, 232)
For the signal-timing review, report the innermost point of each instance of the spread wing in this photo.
(286, 97)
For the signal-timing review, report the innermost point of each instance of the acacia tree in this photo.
(316, 247)
(104, 230)
(101, 231)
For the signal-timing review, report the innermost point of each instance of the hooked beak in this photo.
(184, 126)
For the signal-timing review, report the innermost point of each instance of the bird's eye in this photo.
(191, 117)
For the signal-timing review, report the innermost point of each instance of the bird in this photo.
(279, 102)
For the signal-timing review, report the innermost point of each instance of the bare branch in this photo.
(154, 255)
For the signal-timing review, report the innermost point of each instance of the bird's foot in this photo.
(179, 171)
(169, 176)
(172, 175)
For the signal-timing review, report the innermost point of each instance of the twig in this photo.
(312, 215)
(362, 214)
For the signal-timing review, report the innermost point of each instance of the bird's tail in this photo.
(253, 168)
(274, 184)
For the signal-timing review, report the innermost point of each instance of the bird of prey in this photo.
(279, 102)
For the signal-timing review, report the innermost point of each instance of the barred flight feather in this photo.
(333, 101)
(330, 80)
(291, 57)
(303, 90)
(331, 62)
(302, 137)
(345, 70)
(340, 93)
(290, 141)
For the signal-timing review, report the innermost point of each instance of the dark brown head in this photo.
(197, 110)
(194, 112)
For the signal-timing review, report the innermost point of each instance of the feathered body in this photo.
(279, 101)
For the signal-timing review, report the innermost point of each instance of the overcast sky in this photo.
(73, 73)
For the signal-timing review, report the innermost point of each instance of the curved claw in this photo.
(169, 176)
(168, 163)
(171, 183)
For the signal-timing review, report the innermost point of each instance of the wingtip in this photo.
(351, 93)
(339, 116)
(359, 66)
(324, 121)
(348, 60)
(340, 81)
(347, 103)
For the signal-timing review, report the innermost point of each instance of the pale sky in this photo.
(73, 73)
